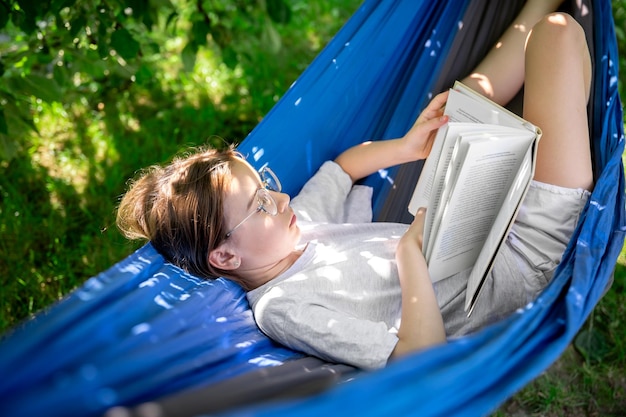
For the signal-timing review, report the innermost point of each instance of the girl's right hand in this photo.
(419, 139)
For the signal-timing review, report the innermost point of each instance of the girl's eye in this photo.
(264, 200)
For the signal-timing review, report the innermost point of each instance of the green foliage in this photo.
(64, 51)
(105, 88)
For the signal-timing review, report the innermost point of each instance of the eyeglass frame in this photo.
(267, 176)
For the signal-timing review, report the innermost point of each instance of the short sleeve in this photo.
(327, 334)
(329, 196)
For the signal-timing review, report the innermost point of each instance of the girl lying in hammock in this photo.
(320, 276)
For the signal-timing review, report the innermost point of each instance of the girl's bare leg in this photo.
(500, 74)
(558, 79)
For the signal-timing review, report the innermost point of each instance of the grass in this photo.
(589, 379)
(57, 199)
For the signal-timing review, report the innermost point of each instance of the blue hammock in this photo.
(144, 329)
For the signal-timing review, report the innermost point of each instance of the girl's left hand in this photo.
(415, 233)
(419, 139)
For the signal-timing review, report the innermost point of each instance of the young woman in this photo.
(320, 276)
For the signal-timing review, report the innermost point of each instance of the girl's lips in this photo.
(293, 220)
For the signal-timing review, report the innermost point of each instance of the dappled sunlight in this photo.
(68, 158)
(330, 255)
(381, 266)
(557, 19)
(330, 273)
(213, 78)
(484, 82)
(267, 299)
(584, 9)
(384, 174)
(520, 27)
(327, 15)
(332, 323)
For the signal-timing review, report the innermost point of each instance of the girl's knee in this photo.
(557, 31)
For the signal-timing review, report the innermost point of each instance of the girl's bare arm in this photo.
(422, 324)
(367, 158)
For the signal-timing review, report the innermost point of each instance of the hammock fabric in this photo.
(146, 331)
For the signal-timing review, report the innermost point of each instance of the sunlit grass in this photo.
(58, 148)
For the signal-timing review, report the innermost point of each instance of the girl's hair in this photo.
(180, 208)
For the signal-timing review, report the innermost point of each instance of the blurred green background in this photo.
(93, 90)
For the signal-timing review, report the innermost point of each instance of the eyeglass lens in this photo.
(270, 180)
(267, 202)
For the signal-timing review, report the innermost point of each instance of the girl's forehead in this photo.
(243, 171)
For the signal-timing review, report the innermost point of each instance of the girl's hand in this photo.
(414, 236)
(419, 139)
(421, 323)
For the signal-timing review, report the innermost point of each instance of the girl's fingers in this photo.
(416, 229)
(435, 108)
(434, 123)
(438, 101)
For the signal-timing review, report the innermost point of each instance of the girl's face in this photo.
(262, 244)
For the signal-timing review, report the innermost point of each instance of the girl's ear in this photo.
(223, 258)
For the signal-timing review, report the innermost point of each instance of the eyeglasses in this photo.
(269, 179)
(265, 201)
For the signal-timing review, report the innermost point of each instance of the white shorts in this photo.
(544, 227)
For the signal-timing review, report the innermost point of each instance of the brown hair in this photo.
(180, 208)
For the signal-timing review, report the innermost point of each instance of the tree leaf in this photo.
(230, 57)
(76, 25)
(278, 11)
(17, 17)
(188, 56)
(270, 37)
(103, 47)
(29, 7)
(4, 129)
(37, 85)
(28, 20)
(18, 121)
(144, 75)
(8, 147)
(58, 5)
(5, 14)
(86, 63)
(171, 19)
(60, 75)
(592, 344)
(200, 30)
(124, 43)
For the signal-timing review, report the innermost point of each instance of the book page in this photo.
(423, 190)
(437, 182)
(499, 231)
(446, 184)
(485, 175)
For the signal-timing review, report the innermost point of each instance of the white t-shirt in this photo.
(341, 300)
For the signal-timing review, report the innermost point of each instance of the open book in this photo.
(472, 186)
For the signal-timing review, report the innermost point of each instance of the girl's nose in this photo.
(282, 201)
